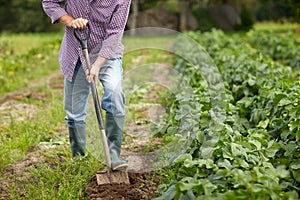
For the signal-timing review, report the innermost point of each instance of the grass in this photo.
(52, 178)
(18, 71)
(22, 43)
(56, 176)
(25, 58)
(272, 26)
(65, 180)
(147, 50)
(19, 137)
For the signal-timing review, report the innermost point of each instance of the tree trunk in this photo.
(183, 6)
(135, 13)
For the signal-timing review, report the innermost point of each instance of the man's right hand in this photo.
(79, 23)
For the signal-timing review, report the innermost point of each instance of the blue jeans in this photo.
(76, 92)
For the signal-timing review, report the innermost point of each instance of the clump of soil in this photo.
(18, 111)
(142, 186)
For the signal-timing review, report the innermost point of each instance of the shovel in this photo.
(110, 176)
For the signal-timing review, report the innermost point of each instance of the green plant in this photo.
(254, 152)
(277, 46)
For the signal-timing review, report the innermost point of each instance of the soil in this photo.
(142, 186)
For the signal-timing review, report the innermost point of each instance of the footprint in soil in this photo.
(142, 186)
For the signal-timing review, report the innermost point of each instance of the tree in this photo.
(291, 8)
(5, 19)
(183, 7)
(135, 13)
(24, 16)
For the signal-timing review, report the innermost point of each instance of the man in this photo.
(107, 20)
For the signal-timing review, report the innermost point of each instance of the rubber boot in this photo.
(77, 140)
(114, 127)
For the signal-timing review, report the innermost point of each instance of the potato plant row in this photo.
(242, 116)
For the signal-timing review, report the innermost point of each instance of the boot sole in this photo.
(120, 167)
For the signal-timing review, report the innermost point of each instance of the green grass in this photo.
(19, 137)
(24, 59)
(22, 43)
(144, 50)
(272, 26)
(32, 59)
(142, 42)
(66, 180)
(56, 176)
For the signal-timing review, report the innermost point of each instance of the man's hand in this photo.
(93, 74)
(79, 23)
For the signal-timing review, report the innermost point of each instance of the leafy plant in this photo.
(254, 152)
(277, 46)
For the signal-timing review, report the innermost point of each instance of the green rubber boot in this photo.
(77, 140)
(114, 127)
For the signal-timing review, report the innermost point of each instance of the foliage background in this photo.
(28, 16)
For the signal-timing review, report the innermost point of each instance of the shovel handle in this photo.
(84, 45)
(83, 41)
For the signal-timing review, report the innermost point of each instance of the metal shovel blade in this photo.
(114, 177)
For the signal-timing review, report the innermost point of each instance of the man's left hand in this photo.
(93, 74)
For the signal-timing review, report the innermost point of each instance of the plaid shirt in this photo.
(107, 19)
